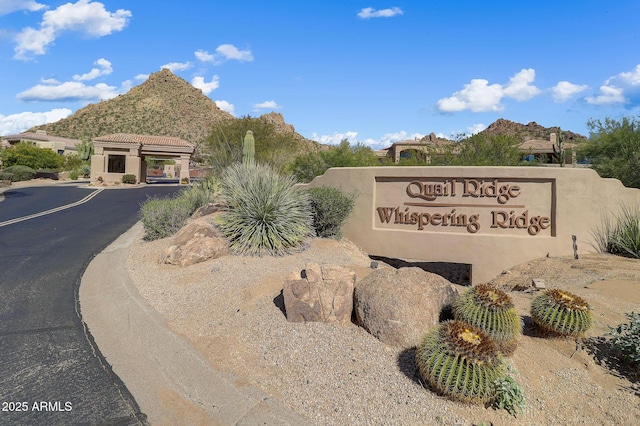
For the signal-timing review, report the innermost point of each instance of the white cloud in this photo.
(479, 96)
(335, 138)
(623, 88)
(199, 83)
(69, 91)
(267, 105)
(204, 56)
(226, 106)
(475, 128)
(18, 123)
(177, 66)
(563, 91)
(105, 69)
(141, 77)
(519, 86)
(84, 16)
(608, 95)
(9, 6)
(229, 51)
(369, 12)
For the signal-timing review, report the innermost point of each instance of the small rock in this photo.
(538, 283)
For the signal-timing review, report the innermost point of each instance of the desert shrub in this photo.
(509, 395)
(74, 174)
(267, 213)
(71, 162)
(493, 311)
(460, 361)
(85, 171)
(307, 166)
(6, 176)
(163, 217)
(621, 234)
(613, 149)
(200, 193)
(27, 154)
(129, 178)
(20, 173)
(626, 339)
(330, 207)
(560, 312)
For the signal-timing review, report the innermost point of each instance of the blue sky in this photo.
(372, 72)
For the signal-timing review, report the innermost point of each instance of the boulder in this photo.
(206, 210)
(399, 306)
(319, 293)
(197, 241)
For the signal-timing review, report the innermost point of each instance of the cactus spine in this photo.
(492, 311)
(248, 149)
(461, 362)
(561, 312)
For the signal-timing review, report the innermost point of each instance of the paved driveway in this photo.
(52, 372)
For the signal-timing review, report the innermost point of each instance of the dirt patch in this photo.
(231, 310)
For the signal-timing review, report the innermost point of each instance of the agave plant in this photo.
(491, 310)
(561, 312)
(460, 361)
(267, 213)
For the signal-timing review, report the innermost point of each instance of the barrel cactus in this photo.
(248, 149)
(561, 312)
(492, 311)
(460, 361)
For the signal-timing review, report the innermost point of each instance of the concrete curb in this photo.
(170, 380)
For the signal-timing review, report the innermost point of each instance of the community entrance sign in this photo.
(492, 218)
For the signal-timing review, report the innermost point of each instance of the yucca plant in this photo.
(491, 310)
(267, 213)
(560, 312)
(460, 361)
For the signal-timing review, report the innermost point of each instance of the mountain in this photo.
(529, 131)
(164, 105)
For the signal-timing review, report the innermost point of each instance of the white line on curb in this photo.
(57, 209)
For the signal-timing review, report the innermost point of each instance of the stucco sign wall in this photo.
(490, 217)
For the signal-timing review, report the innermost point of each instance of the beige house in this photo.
(537, 148)
(41, 139)
(123, 153)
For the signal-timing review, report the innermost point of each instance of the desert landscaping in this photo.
(231, 309)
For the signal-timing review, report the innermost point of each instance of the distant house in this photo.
(123, 153)
(63, 146)
(533, 149)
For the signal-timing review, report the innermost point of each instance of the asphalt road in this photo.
(51, 371)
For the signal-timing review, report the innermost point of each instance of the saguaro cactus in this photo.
(559, 152)
(84, 150)
(248, 149)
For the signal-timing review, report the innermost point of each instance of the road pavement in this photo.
(52, 371)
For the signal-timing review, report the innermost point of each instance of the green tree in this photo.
(27, 154)
(480, 150)
(223, 147)
(613, 149)
(307, 166)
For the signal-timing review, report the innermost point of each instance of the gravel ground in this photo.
(231, 309)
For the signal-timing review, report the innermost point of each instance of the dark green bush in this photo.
(626, 339)
(163, 217)
(27, 154)
(267, 213)
(330, 207)
(20, 173)
(129, 178)
(6, 176)
(620, 235)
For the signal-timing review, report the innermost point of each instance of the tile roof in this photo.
(33, 136)
(128, 138)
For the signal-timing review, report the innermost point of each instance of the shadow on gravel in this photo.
(279, 302)
(606, 356)
(407, 364)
